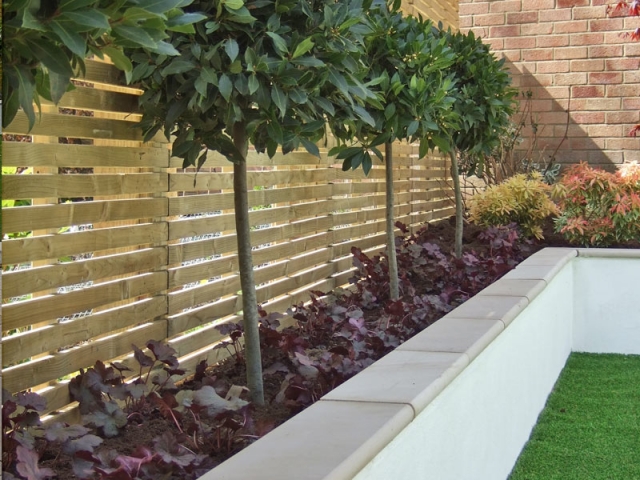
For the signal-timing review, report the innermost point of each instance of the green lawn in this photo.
(590, 427)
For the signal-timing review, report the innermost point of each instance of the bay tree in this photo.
(484, 102)
(264, 73)
(45, 43)
(406, 60)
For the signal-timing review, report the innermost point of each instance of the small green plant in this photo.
(523, 199)
(598, 207)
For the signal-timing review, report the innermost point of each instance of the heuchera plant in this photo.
(598, 208)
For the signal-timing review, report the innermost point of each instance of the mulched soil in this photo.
(143, 431)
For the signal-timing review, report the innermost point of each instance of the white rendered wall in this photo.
(476, 428)
(607, 305)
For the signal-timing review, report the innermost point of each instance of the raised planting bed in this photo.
(590, 426)
(459, 400)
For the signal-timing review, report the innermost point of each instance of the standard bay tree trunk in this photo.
(394, 289)
(455, 174)
(249, 302)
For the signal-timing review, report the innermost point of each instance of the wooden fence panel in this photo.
(115, 243)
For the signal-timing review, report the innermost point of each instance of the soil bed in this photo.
(338, 336)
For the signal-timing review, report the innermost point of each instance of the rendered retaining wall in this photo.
(459, 400)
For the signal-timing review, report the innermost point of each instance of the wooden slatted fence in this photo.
(115, 244)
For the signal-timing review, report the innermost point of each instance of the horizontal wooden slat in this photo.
(209, 203)
(25, 219)
(219, 181)
(22, 282)
(55, 366)
(41, 309)
(261, 159)
(87, 98)
(97, 71)
(82, 127)
(53, 337)
(79, 185)
(58, 246)
(19, 154)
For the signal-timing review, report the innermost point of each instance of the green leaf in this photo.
(279, 43)
(51, 56)
(89, 18)
(177, 65)
(308, 62)
(279, 99)
(236, 67)
(253, 84)
(58, 86)
(119, 59)
(25, 83)
(326, 105)
(390, 111)
(185, 19)
(208, 74)
(225, 86)
(232, 49)
(135, 35)
(201, 86)
(72, 40)
(275, 132)
(69, 5)
(165, 48)
(159, 6)
(442, 143)
(412, 128)
(364, 115)
(311, 147)
(303, 47)
(367, 163)
(234, 4)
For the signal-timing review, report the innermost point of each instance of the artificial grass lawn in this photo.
(590, 427)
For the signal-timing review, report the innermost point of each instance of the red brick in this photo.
(605, 51)
(512, 55)
(506, 6)
(632, 77)
(623, 117)
(587, 39)
(623, 143)
(587, 65)
(505, 31)
(631, 103)
(623, 64)
(632, 155)
(473, 8)
(555, 15)
(539, 80)
(569, 53)
(611, 38)
(631, 23)
(538, 4)
(622, 90)
(584, 91)
(520, 42)
(605, 25)
(588, 117)
(580, 13)
(522, 17)
(537, 54)
(550, 118)
(494, 43)
(537, 28)
(605, 78)
(574, 131)
(553, 41)
(632, 50)
(602, 104)
(465, 22)
(604, 130)
(481, 32)
(560, 105)
(599, 157)
(488, 19)
(586, 143)
(553, 67)
(572, 3)
(571, 27)
(570, 79)
(550, 92)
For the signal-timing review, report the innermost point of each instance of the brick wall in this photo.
(571, 55)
